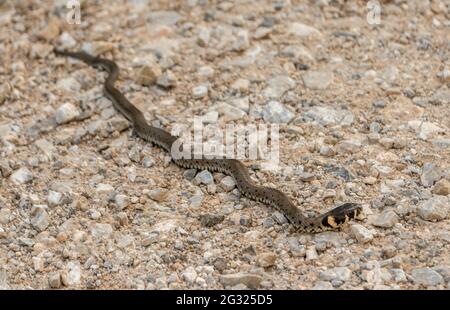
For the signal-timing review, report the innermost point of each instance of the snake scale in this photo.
(330, 220)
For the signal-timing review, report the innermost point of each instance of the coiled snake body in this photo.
(332, 219)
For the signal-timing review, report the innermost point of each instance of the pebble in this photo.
(38, 264)
(148, 74)
(72, 276)
(230, 112)
(121, 201)
(430, 174)
(242, 41)
(148, 162)
(306, 176)
(426, 277)
(266, 259)
(21, 176)
(277, 86)
(54, 280)
(303, 31)
(444, 271)
(338, 273)
(328, 116)
(40, 219)
(434, 209)
(158, 194)
(205, 71)
(399, 275)
(189, 275)
(167, 80)
(311, 253)
(361, 233)
(228, 183)
(326, 151)
(322, 286)
(387, 219)
(5, 215)
(66, 113)
(318, 80)
(241, 85)
(167, 18)
(442, 187)
(204, 177)
(199, 91)
(296, 248)
(210, 220)
(66, 41)
(101, 231)
(425, 130)
(96, 48)
(275, 112)
(54, 198)
(250, 280)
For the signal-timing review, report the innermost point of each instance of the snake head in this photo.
(341, 215)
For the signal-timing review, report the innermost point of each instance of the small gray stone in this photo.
(326, 151)
(204, 177)
(242, 41)
(5, 215)
(266, 259)
(296, 248)
(434, 209)
(311, 253)
(329, 116)
(228, 183)
(398, 275)
(199, 91)
(40, 219)
(387, 219)
(54, 280)
(189, 275)
(158, 194)
(250, 280)
(306, 176)
(361, 233)
(167, 18)
(275, 112)
(189, 174)
(430, 174)
(167, 80)
(148, 162)
(277, 86)
(444, 271)
(303, 31)
(66, 113)
(268, 222)
(196, 200)
(209, 220)
(22, 176)
(323, 286)
(121, 201)
(101, 231)
(54, 198)
(426, 277)
(338, 273)
(318, 80)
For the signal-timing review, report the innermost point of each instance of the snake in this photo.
(331, 220)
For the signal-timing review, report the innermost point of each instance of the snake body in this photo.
(330, 220)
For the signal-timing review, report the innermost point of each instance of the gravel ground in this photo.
(364, 114)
